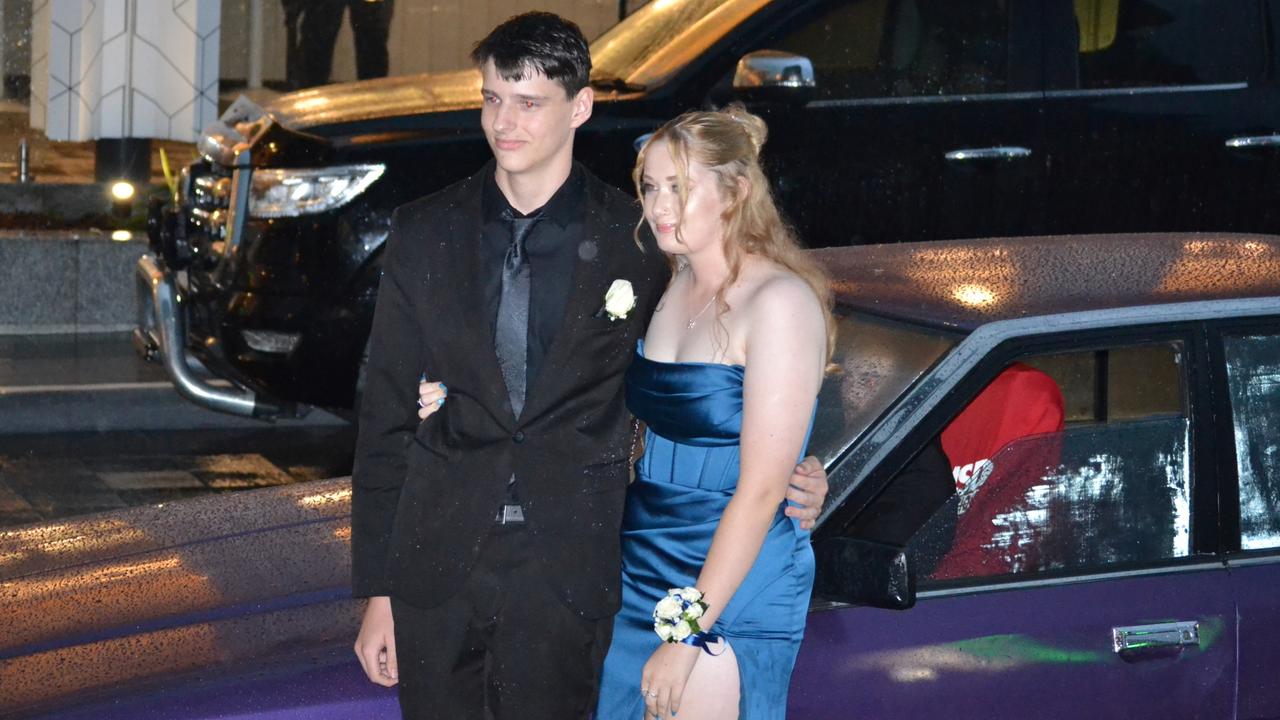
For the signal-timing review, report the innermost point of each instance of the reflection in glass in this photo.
(1253, 375)
(878, 360)
(1112, 495)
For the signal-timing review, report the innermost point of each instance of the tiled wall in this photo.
(124, 68)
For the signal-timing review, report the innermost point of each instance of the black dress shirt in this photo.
(552, 249)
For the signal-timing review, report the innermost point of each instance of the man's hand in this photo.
(808, 491)
(376, 643)
(431, 396)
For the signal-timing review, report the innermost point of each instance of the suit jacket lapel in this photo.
(462, 238)
(586, 297)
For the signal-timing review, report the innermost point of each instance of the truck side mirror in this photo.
(864, 572)
(774, 75)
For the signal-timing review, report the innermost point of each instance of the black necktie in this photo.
(511, 332)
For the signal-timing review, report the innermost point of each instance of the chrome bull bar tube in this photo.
(171, 334)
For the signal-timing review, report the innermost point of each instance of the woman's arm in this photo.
(785, 354)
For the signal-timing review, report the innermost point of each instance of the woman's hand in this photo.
(664, 678)
(431, 395)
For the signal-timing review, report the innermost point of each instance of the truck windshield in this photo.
(663, 36)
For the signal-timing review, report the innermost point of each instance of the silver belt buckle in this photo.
(510, 514)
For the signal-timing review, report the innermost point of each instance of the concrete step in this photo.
(68, 282)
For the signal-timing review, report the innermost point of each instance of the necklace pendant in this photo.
(689, 325)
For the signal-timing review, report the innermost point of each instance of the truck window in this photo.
(902, 48)
(1152, 43)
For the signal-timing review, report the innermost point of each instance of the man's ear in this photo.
(582, 104)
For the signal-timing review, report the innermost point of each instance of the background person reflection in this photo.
(311, 30)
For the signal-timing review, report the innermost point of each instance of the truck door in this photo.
(924, 122)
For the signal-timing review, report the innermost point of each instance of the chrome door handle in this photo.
(1253, 141)
(1004, 152)
(1161, 635)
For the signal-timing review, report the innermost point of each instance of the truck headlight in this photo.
(280, 192)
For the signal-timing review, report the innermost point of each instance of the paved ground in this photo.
(49, 477)
(85, 426)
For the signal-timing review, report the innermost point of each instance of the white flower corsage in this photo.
(675, 617)
(619, 299)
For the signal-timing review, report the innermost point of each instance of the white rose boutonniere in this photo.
(619, 299)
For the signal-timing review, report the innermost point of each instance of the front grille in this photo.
(207, 199)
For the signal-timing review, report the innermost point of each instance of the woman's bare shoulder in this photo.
(773, 288)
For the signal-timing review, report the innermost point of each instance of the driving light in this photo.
(122, 191)
(291, 192)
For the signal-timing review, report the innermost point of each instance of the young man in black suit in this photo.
(490, 532)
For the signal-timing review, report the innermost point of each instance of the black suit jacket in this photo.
(425, 494)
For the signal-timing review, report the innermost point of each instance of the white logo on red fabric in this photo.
(969, 479)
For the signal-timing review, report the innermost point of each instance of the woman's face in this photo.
(700, 221)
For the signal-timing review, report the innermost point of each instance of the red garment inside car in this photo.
(1021, 402)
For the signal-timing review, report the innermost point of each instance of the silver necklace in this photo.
(694, 320)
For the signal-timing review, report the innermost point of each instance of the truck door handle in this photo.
(1136, 638)
(1003, 152)
(1253, 141)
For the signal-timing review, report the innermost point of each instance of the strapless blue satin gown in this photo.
(683, 483)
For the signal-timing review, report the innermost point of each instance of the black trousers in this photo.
(313, 29)
(505, 646)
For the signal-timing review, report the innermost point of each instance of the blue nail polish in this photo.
(440, 402)
(423, 378)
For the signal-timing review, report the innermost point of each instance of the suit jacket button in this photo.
(519, 436)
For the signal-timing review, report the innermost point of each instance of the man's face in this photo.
(529, 123)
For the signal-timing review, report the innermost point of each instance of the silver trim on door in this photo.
(1253, 141)
(1136, 638)
(1004, 152)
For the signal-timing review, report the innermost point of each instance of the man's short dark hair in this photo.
(538, 43)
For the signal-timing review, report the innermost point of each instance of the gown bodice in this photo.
(692, 403)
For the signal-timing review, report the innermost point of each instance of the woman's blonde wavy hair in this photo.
(727, 142)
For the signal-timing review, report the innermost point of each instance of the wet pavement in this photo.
(86, 426)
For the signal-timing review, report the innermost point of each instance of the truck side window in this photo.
(902, 48)
(1151, 43)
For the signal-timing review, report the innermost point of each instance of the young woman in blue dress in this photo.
(716, 579)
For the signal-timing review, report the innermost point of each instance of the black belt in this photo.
(509, 514)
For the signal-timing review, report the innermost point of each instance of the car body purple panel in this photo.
(1039, 650)
(131, 601)
(332, 689)
(1255, 581)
